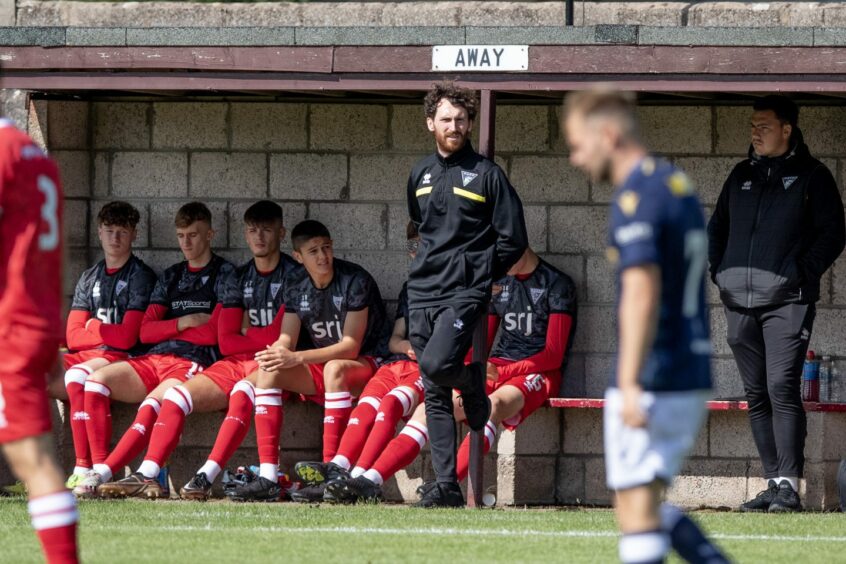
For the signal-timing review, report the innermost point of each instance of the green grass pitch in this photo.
(221, 531)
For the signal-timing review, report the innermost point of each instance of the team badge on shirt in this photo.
(467, 177)
(338, 301)
(119, 287)
(788, 181)
(274, 288)
(536, 294)
(628, 202)
(680, 184)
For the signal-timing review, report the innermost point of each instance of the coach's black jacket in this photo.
(777, 228)
(471, 228)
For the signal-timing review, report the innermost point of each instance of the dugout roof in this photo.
(666, 65)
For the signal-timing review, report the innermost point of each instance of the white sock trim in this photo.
(416, 431)
(211, 469)
(371, 401)
(149, 468)
(97, 388)
(152, 402)
(406, 397)
(245, 387)
(341, 461)
(181, 397)
(644, 547)
(269, 471)
(268, 396)
(374, 477)
(337, 400)
(793, 481)
(77, 375)
(490, 433)
(53, 510)
(104, 471)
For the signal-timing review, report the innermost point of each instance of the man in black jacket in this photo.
(778, 226)
(472, 230)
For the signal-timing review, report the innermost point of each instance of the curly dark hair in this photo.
(119, 214)
(457, 96)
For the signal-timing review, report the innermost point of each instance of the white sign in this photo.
(480, 58)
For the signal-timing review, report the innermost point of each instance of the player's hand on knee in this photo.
(632, 412)
(276, 358)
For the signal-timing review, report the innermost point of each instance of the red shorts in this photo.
(27, 357)
(231, 370)
(536, 389)
(390, 376)
(316, 371)
(71, 359)
(156, 368)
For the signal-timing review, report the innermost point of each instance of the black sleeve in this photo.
(413, 204)
(402, 304)
(231, 295)
(827, 235)
(160, 290)
(361, 292)
(140, 287)
(81, 300)
(718, 229)
(507, 220)
(562, 296)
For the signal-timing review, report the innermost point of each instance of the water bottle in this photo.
(810, 378)
(825, 379)
(164, 480)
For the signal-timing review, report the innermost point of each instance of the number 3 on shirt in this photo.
(49, 213)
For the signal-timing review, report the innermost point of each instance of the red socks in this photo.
(269, 416)
(402, 450)
(236, 424)
(336, 413)
(167, 430)
(98, 426)
(391, 410)
(136, 437)
(463, 460)
(75, 385)
(358, 427)
(54, 518)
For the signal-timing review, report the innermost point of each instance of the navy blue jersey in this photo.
(656, 218)
(108, 297)
(323, 310)
(184, 292)
(260, 295)
(525, 306)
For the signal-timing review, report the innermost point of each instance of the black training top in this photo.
(471, 227)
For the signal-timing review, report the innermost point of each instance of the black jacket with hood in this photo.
(778, 226)
(471, 227)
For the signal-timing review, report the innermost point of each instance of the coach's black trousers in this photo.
(769, 345)
(441, 336)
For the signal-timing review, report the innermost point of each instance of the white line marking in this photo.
(473, 532)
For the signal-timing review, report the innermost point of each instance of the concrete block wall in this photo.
(347, 165)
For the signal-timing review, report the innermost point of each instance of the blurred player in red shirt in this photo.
(30, 331)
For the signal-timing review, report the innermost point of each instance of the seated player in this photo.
(392, 393)
(341, 308)
(250, 320)
(105, 317)
(30, 321)
(536, 304)
(180, 325)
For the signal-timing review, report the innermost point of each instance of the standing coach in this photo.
(778, 226)
(472, 230)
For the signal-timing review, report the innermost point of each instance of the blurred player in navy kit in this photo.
(340, 306)
(30, 321)
(105, 317)
(181, 325)
(472, 230)
(656, 403)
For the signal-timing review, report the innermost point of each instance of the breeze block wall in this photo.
(346, 164)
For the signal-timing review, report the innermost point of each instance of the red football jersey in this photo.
(30, 238)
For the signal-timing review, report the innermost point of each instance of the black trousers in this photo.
(769, 346)
(441, 336)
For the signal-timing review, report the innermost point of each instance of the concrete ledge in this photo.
(602, 34)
